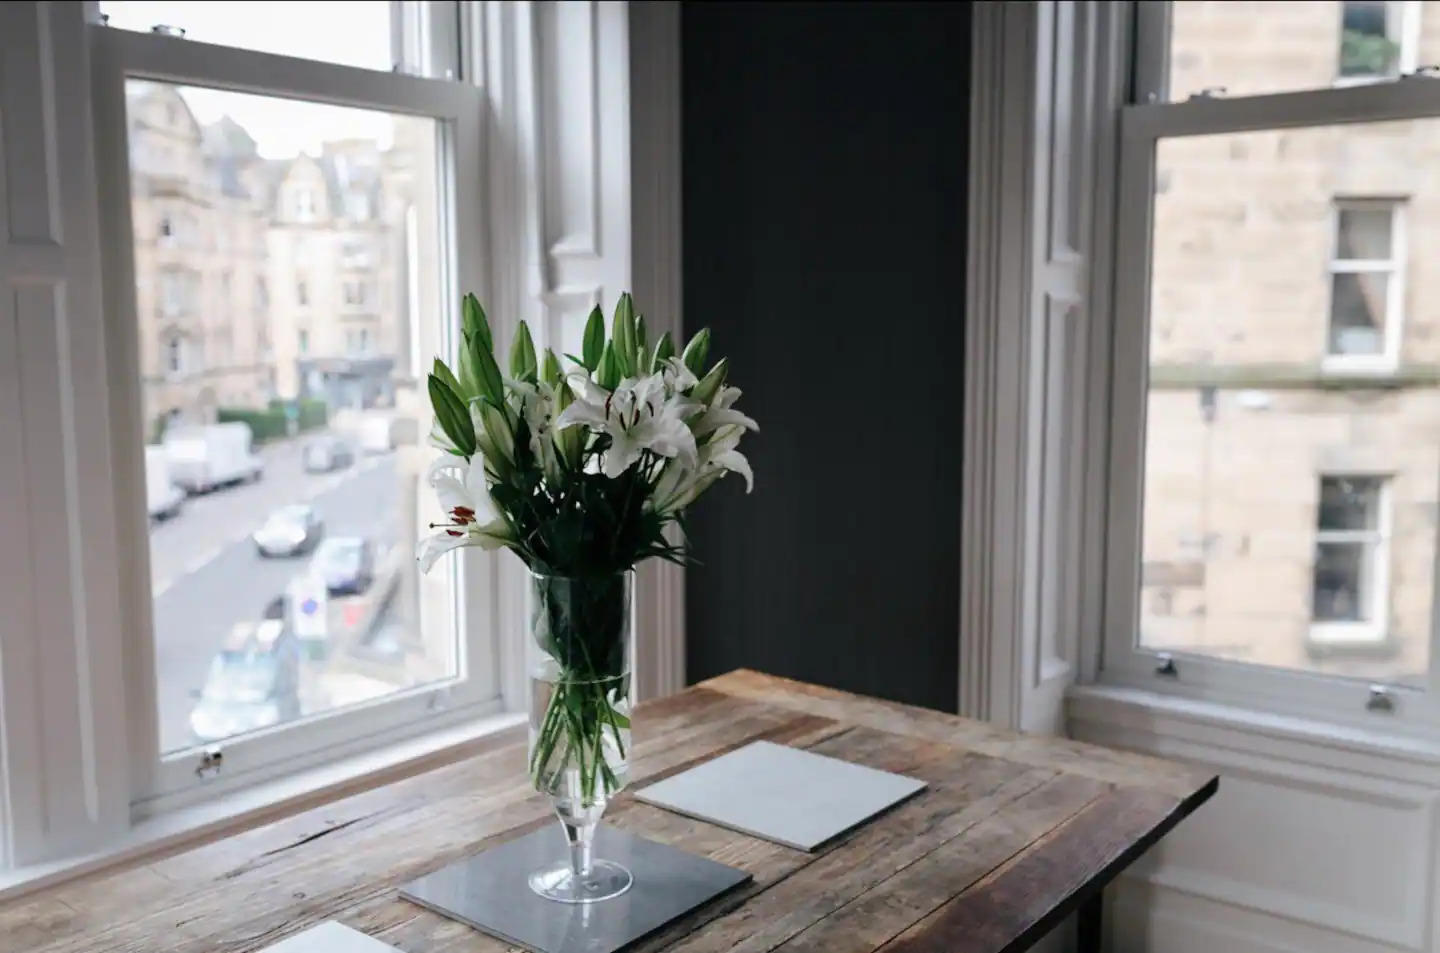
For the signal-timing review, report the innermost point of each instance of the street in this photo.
(207, 575)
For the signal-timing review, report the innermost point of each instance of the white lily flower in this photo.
(465, 499)
(640, 415)
(536, 404)
(720, 413)
(678, 486)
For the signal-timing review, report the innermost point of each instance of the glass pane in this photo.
(1349, 503)
(1256, 48)
(1357, 313)
(1364, 233)
(284, 252)
(357, 33)
(1244, 418)
(1340, 574)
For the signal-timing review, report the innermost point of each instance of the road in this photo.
(207, 575)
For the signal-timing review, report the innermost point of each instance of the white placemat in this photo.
(330, 937)
(793, 797)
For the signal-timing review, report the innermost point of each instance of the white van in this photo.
(377, 433)
(162, 497)
(203, 458)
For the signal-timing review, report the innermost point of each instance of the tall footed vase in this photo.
(580, 721)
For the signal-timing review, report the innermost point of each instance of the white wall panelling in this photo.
(1032, 135)
(63, 737)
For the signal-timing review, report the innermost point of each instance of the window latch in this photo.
(167, 29)
(211, 761)
(1428, 71)
(1209, 92)
(1381, 700)
(1165, 666)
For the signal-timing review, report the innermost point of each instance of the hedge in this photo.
(312, 414)
(264, 424)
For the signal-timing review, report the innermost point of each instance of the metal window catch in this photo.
(1165, 666)
(166, 29)
(1428, 71)
(1381, 700)
(211, 761)
(1209, 92)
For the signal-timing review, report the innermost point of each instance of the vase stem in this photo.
(581, 838)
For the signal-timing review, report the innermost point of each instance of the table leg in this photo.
(1088, 922)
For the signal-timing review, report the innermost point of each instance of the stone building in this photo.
(1293, 431)
(200, 253)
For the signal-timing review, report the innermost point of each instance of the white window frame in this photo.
(1388, 359)
(1147, 118)
(162, 782)
(1402, 19)
(1375, 629)
(355, 293)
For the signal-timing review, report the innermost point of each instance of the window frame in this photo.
(1406, 16)
(1144, 119)
(162, 782)
(1394, 267)
(1375, 630)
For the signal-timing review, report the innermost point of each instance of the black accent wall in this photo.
(824, 151)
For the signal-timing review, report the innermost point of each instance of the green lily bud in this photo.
(522, 355)
(474, 322)
(453, 417)
(697, 351)
(664, 350)
(608, 375)
(550, 370)
(709, 385)
(488, 382)
(622, 334)
(498, 432)
(594, 343)
(447, 377)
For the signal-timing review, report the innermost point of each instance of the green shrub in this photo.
(264, 424)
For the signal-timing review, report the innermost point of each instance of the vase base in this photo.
(604, 880)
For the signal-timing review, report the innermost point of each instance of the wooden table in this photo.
(1014, 833)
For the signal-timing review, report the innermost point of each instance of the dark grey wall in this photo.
(824, 231)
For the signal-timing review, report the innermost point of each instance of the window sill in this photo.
(1135, 710)
(249, 807)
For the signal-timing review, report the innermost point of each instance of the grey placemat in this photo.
(491, 892)
(330, 937)
(793, 797)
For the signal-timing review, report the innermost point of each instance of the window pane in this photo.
(1364, 233)
(283, 466)
(1246, 412)
(1255, 48)
(1357, 313)
(357, 33)
(1349, 503)
(1340, 574)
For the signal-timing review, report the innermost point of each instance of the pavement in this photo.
(207, 575)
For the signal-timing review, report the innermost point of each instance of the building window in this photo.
(359, 206)
(1377, 40)
(304, 341)
(355, 293)
(304, 205)
(174, 357)
(302, 293)
(1350, 583)
(167, 230)
(1366, 285)
(172, 294)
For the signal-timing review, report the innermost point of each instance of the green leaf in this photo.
(474, 321)
(622, 333)
(550, 371)
(594, 343)
(488, 382)
(447, 377)
(664, 350)
(697, 351)
(641, 340)
(468, 380)
(522, 355)
(453, 417)
(608, 375)
(709, 385)
(497, 431)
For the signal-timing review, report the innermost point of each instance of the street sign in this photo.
(309, 607)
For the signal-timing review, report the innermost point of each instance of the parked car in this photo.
(345, 563)
(377, 433)
(162, 497)
(290, 531)
(215, 455)
(324, 454)
(253, 682)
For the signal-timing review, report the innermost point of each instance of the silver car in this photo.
(290, 531)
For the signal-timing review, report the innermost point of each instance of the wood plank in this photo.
(1064, 754)
(1017, 903)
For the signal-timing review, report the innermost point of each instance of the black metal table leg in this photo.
(1088, 922)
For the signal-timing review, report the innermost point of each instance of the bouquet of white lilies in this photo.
(578, 473)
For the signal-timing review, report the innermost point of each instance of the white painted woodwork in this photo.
(62, 733)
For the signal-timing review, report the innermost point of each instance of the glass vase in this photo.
(580, 721)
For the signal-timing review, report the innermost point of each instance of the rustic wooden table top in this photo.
(1014, 832)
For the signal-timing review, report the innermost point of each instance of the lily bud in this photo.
(709, 385)
(697, 351)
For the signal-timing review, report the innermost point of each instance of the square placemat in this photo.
(787, 795)
(330, 937)
(491, 892)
